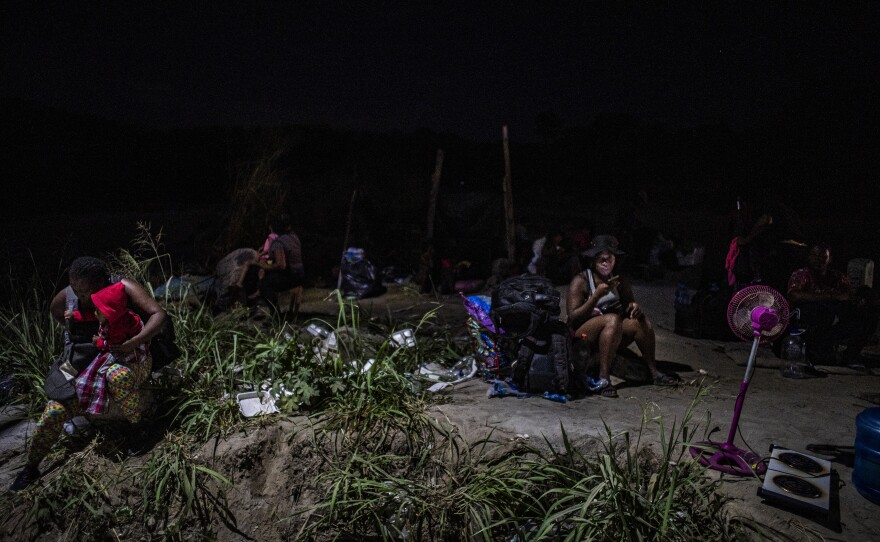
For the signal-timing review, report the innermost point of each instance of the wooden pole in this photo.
(508, 201)
(435, 190)
(345, 241)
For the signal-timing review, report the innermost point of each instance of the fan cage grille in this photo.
(739, 312)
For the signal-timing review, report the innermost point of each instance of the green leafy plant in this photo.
(219, 356)
(627, 492)
(175, 488)
(146, 261)
(30, 339)
(448, 490)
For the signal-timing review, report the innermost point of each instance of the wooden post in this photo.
(345, 241)
(508, 201)
(435, 189)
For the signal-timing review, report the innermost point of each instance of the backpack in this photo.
(705, 317)
(543, 360)
(522, 304)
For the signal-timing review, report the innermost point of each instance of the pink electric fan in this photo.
(760, 314)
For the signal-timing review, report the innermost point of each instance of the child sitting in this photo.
(117, 325)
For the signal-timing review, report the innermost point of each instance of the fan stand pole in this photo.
(740, 399)
(724, 456)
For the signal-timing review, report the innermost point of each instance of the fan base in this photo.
(728, 458)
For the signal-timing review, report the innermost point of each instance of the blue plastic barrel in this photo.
(866, 471)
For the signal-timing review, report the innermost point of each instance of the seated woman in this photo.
(284, 268)
(602, 311)
(122, 379)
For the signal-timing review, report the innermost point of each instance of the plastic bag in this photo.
(361, 279)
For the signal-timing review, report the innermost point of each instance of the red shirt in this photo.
(122, 324)
(804, 280)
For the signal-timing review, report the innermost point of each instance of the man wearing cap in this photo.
(602, 311)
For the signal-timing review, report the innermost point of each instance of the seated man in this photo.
(830, 310)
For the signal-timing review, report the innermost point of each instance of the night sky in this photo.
(450, 67)
(725, 98)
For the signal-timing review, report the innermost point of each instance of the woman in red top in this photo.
(88, 276)
(110, 372)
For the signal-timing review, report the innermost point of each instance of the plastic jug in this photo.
(794, 354)
(866, 471)
(682, 295)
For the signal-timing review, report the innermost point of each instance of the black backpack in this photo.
(522, 304)
(543, 360)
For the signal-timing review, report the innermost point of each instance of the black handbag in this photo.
(59, 383)
(163, 349)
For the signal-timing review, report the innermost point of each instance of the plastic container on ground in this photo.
(555, 397)
(403, 337)
(254, 403)
(318, 330)
(866, 471)
(860, 272)
(794, 354)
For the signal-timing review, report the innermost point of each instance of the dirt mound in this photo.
(272, 468)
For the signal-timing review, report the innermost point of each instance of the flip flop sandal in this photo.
(664, 380)
(609, 391)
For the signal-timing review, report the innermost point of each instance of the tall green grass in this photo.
(625, 491)
(175, 489)
(618, 489)
(30, 339)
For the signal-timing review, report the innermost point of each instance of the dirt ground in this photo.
(271, 471)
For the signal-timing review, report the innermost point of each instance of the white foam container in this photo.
(256, 403)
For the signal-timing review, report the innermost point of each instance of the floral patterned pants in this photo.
(123, 384)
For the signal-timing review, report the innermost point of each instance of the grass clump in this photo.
(447, 489)
(626, 491)
(176, 489)
(30, 339)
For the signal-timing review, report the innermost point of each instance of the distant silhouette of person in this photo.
(742, 262)
(580, 236)
(251, 272)
(426, 276)
(776, 244)
(536, 263)
(560, 261)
